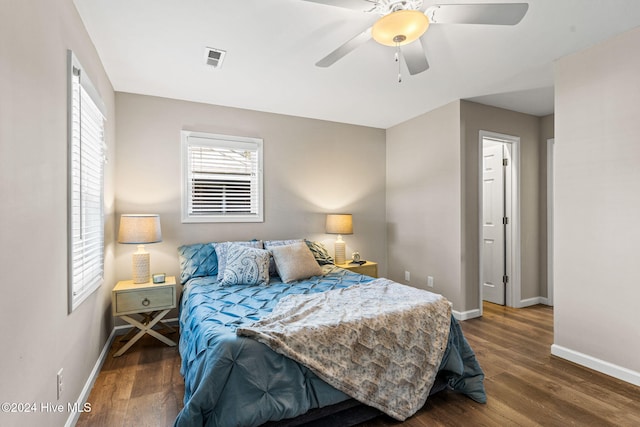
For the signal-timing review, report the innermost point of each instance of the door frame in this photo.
(512, 191)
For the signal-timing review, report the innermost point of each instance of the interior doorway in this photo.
(499, 219)
(495, 167)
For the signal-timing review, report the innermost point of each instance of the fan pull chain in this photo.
(397, 59)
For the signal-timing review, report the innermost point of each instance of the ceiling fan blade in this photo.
(414, 57)
(487, 13)
(340, 52)
(359, 5)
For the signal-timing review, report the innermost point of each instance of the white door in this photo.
(493, 230)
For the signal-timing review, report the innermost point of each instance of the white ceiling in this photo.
(156, 47)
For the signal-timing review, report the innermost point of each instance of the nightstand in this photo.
(369, 268)
(150, 302)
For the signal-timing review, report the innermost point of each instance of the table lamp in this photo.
(339, 224)
(140, 229)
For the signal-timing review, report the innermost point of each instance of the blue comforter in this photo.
(236, 381)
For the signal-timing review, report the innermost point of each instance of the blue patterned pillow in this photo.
(197, 260)
(268, 243)
(246, 266)
(222, 248)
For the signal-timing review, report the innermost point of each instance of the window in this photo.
(87, 152)
(222, 178)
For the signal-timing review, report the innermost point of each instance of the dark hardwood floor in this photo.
(143, 387)
(526, 386)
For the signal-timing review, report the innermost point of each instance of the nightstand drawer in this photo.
(143, 300)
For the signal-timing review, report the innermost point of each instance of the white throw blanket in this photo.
(380, 342)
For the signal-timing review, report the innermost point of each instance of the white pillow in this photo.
(295, 262)
(246, 266)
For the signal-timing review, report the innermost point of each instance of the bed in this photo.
(236, 380)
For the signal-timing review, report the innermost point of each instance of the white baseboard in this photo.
(533, 301)
(86, 390)
(602, 366)
(471, 314)
(465, 315)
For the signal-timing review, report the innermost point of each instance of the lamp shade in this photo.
(400, 27)
(339, 224)
(139, 229)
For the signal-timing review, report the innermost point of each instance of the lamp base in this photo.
(340, 249)
(140, 266)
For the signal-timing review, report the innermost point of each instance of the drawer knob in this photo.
(146, 302)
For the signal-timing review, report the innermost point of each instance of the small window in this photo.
(87, 151)
(222, 178)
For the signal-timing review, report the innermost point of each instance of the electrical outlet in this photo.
(59, 383)
(407, 276)
(430, 281)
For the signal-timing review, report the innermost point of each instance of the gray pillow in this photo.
(295, 262)
(268, 244)
(246, 266)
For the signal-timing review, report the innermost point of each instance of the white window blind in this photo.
(222, 178)
(87, 152)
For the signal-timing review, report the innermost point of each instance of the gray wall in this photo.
(432, 199)
(311, 167)
(597, 205)
(39, 337)
(423, 202)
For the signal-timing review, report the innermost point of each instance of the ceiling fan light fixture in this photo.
(400, 27)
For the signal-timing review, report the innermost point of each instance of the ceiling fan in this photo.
(403, 22)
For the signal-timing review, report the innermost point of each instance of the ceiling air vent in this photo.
(214, 57)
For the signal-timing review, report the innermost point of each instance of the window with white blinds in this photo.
(87, 151)
(222, 178)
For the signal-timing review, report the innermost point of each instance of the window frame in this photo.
(203, 139)
(81, 286)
